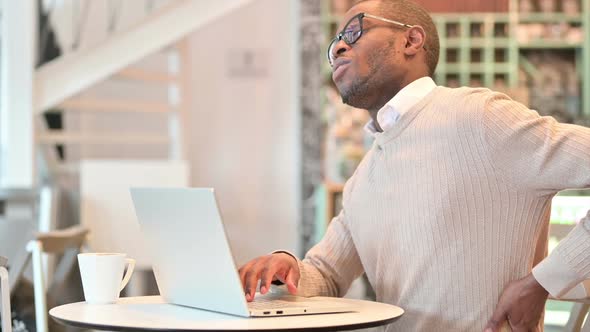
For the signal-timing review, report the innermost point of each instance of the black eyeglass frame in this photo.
(342, 35)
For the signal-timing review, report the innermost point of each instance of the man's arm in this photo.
(333, 264)
(539, 154)
(327, 270)
(533, 152)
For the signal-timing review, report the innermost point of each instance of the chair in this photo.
(24, 213)
(66, 242)
(581, 301)
(5, 314)
(576, 318)
(580, 309)
(586, 327)
(19, 220)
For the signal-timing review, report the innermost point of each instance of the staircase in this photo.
(61, 79)
(67, 84)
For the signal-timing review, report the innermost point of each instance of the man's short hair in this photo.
(409, 12)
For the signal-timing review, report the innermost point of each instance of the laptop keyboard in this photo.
(262, 303)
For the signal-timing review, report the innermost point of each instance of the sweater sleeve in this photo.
(533, 152)
(568, 265)
(539, 154)
(330, 267)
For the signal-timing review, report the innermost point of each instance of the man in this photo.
(448, 212)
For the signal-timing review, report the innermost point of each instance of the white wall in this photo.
(244, 124)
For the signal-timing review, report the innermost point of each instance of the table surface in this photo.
(153, 314)
(586, 301)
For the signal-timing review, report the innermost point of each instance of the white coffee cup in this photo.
(102, 276)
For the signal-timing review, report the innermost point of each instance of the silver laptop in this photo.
(192, 261)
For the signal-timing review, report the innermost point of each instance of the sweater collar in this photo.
(404, 121)
(402, 102)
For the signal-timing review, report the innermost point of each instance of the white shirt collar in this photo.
(404, 100)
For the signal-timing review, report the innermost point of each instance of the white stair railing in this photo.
(165, 23)
(77, 28)
(60, 82)
(64, 77)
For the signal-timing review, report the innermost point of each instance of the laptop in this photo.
(192, 261)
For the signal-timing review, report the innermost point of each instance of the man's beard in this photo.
(356, 92)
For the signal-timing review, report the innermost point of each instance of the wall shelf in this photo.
(470, 43)
(549, 18)
(547, 45)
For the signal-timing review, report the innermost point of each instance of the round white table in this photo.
(151, 313)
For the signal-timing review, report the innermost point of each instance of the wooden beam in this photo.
(137, 74)
(77, 138)
(105, 105)
(66, 76)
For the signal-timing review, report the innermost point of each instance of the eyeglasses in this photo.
(353, 30)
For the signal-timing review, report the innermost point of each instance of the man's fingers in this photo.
(516, 322)
(292, 279)
(266, 277)
(520, 326)
(520, 322)
(251, 279)
(288, 277)
(498, 318)
(242, 272)
(266, 269)
(520, 306)
(250, 282)
(493, 326)
(521, 329)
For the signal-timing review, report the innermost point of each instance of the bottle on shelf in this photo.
(571, 7)
(547, 6)
(526, 6)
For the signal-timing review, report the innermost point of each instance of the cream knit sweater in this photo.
(450, 205)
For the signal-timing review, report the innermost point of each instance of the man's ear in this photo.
(415, 39)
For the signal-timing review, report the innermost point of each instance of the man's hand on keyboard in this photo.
(278, 266)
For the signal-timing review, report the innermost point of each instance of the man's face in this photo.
(363, 69)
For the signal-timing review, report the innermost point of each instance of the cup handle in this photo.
(130, 266)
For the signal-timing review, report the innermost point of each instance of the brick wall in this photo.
(463, 6)
(439, 6)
